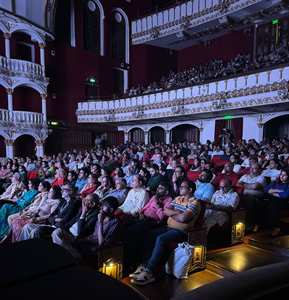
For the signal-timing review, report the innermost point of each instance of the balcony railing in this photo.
(249, 90)
(22, 117)
(187, 15)
(22, 67)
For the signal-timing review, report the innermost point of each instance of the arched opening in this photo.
(26, 99)
(3, 98)
(157, 135)
(136, 135)
(93, 26)
(23, 48)
(185, 133)
(118, 37)
(2, 44)
(277, 128)
(2, 147)
(24, 146)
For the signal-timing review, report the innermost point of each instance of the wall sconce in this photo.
(198, 258)
(112, 268)
(238, 232)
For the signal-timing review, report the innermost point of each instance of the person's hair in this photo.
(181, 167)
(190, 184)
(56, 192)
(46, 185)
(111, 202)
(35, 182)
(209, 174)
(155, 167)
(165, 184)
(94, 198)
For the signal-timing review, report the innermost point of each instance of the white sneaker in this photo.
(144, 278)
(138, 270)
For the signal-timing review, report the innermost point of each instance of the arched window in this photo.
(93, 16)
(120, 36)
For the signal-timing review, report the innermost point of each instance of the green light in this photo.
(92, 80)
(53, 123)
(275, 22)
(228, 117)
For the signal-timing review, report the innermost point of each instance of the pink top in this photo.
(154, 211)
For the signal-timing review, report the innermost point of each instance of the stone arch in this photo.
(157, 134)
(31, 84)
(136, 135)
(195, 124)
(277, 126)
(24, 144)
(185, 133)
(35, 36)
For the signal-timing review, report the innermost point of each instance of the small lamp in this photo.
(112, 268)
(238, 232)
(198, 258)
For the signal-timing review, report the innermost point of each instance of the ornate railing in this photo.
(244, 91)
(21, 67)
(23, 117)
(187, 15)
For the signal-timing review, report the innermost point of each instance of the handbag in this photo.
(180, 260)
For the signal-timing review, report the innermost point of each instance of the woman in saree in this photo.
(14, 190)
(44, 211)
(12, 208)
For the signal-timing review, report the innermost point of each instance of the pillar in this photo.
(260, 132)
(208, 131)
(7, 37)
(168, 137)
(39, 148)
(10, 103)
(42, 54)
(44, 113)
(125, 137)
(9, 148)
(146, 137)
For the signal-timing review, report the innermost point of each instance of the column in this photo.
(44, 113)
(9, 148)
(10, 103)
(208, 131)
(252, 128)
(125, 137)
(168, 137)
(146, 137)
(7, 37)
(39, 148)
(42, 54)
(260, 132)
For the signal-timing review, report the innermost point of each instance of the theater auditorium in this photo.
(144, 149)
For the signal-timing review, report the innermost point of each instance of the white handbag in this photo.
(180, 261)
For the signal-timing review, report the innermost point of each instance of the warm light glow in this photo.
(238, 232)
(112, 269)
(54, 123)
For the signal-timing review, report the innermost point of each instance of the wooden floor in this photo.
(257, 250)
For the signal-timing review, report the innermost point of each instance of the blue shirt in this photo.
(80, 183)
(284, 187)
(204, 190)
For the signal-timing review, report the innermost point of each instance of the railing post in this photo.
(44, 113)
(7, 37)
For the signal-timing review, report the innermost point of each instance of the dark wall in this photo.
(225, 47)
(26, 99)
(150, 63)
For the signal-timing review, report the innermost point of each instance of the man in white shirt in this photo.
(271, 171)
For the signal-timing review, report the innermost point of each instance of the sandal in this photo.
(143, 278)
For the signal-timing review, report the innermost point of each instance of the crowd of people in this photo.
(146, 196)
(215, 69)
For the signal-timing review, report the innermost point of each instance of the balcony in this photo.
(24, 118)
(21, 68)
(182, 25)
(243, 94)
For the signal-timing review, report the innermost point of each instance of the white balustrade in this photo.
(21, 66)
(24, 117)
(211, 89)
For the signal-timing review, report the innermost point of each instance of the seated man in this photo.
(183, 213)
(223, 201)
(204, 189)
(228, 174)
(80, 226)
(252, 185)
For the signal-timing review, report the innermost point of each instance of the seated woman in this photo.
(37, 212)
(14, 190)
(90, 187)
(13, 208)
(276, 196)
